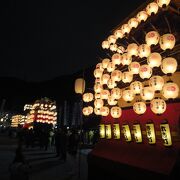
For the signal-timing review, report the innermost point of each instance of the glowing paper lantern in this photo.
(139, 107)
(112, 39)
(116, 59)
(104, 111)
(111, 101)
(152, 38)
(163, 3)
(145, 71)
(120, 49)
(134, 68)
(169, 65)
(97, 96)
(105, 78)
(105, 94)
(85, 111)
(116, 112)
(111, 67)
(111, 84)
(97, 111)
(154, 60)
(133, 23)
(170, 90)
(105, 44)
(127, 133)
(167, 41)
(156, 82)
(152, 8)
(87, 97)
(105, 63)
(132, 49)
(166, 134)
(128, 95)
(125, 29)
(144, 50)
(98, 81)
(102, 130)
(127, 77)
(116, 131)
(119, 34)
(108, 131)
(150, 131)
(136, 87)
(137, 133)
(98, 73)
(158, 106)
(126, 59)
(113, 47)
(116, 75)
(116, 93)
(147, 93)
(98, 88)
(79, 86)
(142, 16)
(99, 66)
(98, 103)
(90, 109)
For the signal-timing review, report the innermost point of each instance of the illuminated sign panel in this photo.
(102, 130)
(116, 131)
(166, 135)
(108, 131)
(137, 133)
(150, 133)
(126, 132)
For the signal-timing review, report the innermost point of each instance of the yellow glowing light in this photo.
(166, 134)
(150, 131)
(126, 132)
(116, 131)
(108, 131)
(137, 133)
(102, 130)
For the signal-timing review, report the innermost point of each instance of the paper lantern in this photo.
(105, 44)
(120, 49)
(147, 93)
(111, 84)
(104, 111)
(127, 77)
(102, 130)
(97, 96)
(145, 71)
(142, 16)
(85, 111)
(136, 87)
(108, 131)
(98, 103)
(112, 39)
(144, 50)
(116, 131)
(170, 90)
(154, 60)
(133, 23)
(158, 106)
(128, 95)
(111, 67)
(116, 112)
(116, 59)
(79, 86)
(116, 75)
(169, 65)
(163, 3)
(125, 29)
(150, 131)
(139, 107)
(137, 133)
(90, 109)
(105, 94)
(105, 78)
(99, 66)
(152, 38)
(98, 73)
(126, 59)
(97, 88)
(167, 41)
(105, 63)
(166, 134)
(152, 8)
(98, 81)
(116, 93)
(134, 68)
(97, 111)
(132, 49)
(127, 133)
(156, 82)
(111, 101)
(113, 47)
(87, 97)
(118, 34)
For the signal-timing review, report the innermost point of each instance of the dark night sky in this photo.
(45, 39)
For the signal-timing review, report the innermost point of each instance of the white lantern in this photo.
(163, 3)
(111, 101)
(111, 84)
(154, 60)
(170, 90)
(104, 111)
(90, 109)
(147, 93)
(97, 96)
(97, 88)
(125, 29)
(98, 103)
(112, 39)
(136, 87)
(152, 8)
(105, 63)
(116, 75)
(144, 50)
(116, 112)
(99, 66)
(134, 68)
(98, 73)
(105, 94)
(85, 111)
(126, 59)
(132, 49)
(139, 107)
(105, 78)
(145, 71)
(116, 59)
(156, 82)
(167, 41)
(158, 106)
(97, 111)
(152, 38)
(113, 47)
(116, 93)
(105, 44)
(142, 16)
(128, 95)
(120, 49)
(133, 23)
(127, 77)
(87, 97)
(169, 65)
(118, 34)
(111, 67)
